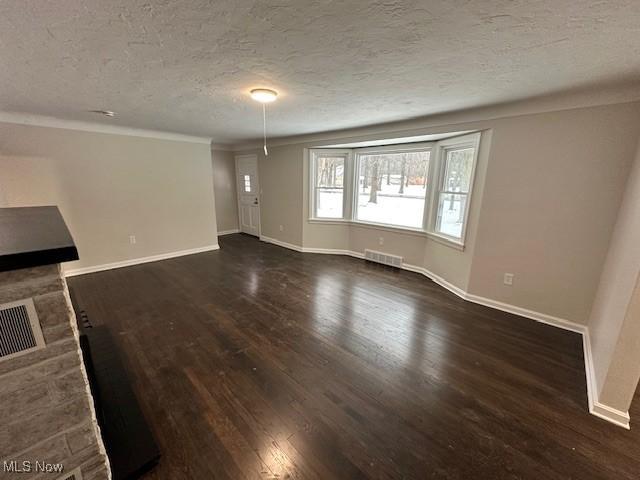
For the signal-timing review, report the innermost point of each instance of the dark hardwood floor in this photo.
(257, 362)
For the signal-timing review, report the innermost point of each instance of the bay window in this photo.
(422, 187)
(454, 191)
(329, 171)
(392, 187)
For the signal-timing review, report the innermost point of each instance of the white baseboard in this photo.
(332, 251)
(436, 279)
(228, 232)
(136, 261)
(280, 243)
(298, 248)
(531, 314)
(596, 408)
(610, 414)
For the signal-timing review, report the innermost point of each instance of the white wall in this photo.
(224, 181)
(111, 186)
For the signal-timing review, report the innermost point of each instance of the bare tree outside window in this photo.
(456, 182)
(329, 186)
(393, 187)
(397, 185)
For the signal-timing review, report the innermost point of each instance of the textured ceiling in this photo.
(185, 66)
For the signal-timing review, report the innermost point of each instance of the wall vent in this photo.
(384, 258)
(75, 474)
(19, 329)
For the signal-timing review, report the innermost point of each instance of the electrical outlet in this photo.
(281, 228)
(381, 240)
(132, 239)
(508, 278)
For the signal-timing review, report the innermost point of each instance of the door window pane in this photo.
(247, 183)
(392, 188)
(329, 186)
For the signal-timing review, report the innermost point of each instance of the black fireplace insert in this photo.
(129, 442)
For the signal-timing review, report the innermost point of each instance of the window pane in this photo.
(457, 176)
(392, 188)
(329, 203)
(329, 187)
(247, 183)
(451, 212)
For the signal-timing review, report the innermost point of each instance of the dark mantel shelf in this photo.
(34, 236)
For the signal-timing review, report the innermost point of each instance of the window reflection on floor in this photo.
(402, 332)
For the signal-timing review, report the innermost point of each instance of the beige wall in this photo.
(111, 186)
(553, 188)
(547, 191)
(281, 193)
(224, 182)
(615, 320)
(619, 385)
(453, 265)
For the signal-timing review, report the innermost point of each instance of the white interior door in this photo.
(248, 194)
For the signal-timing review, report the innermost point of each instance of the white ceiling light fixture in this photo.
(264, 96)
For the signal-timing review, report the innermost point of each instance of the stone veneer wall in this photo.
(46, 410)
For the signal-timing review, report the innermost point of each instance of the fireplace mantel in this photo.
(34, 236)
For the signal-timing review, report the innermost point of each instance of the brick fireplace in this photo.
(48, 426)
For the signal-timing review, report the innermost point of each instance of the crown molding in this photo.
(441, 122)
(54, 122)
(224, 147)
(461, 119)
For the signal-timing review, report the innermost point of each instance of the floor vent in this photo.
(19, 329)
(384, 258)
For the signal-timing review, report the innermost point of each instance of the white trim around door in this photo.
(248, 187)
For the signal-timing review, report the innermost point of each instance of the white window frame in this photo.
(346, 186)
(437, 161)
(444, 146)
(402, 148)
(245, 179)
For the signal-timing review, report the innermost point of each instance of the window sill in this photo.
(446, 241)
(390, 228)
(329, 221)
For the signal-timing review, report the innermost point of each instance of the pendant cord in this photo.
(264, 128)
